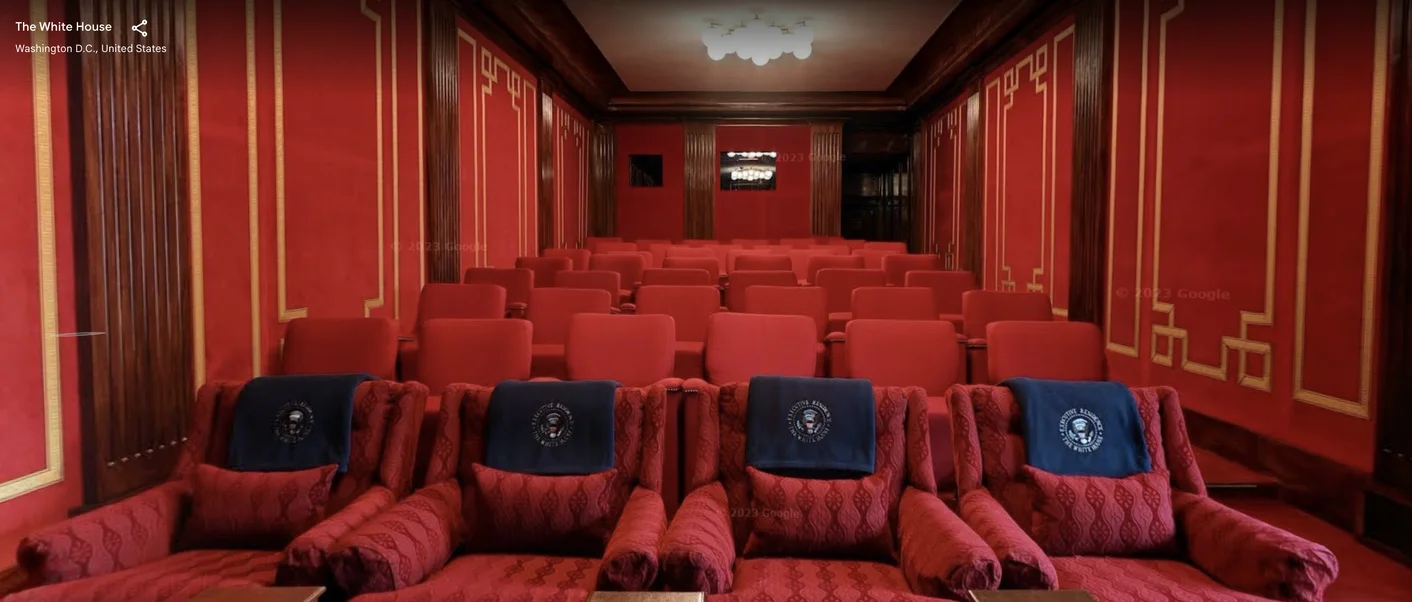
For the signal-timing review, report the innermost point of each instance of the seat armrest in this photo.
(630, 561)
(975, 343)
(835, 337)
(1023, 565)
(106, 540)
(626, 308)
(515, 310)
(305, 560)
(941, 556)
(698, 553)
(1251, 556)
(402, 545)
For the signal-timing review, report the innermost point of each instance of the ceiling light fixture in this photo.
(758, 42)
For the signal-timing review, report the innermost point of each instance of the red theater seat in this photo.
(441, 300)
(544, 268)
(898, 266)
(202, 529)
(675, 276)
(947, 288)
(691, 308)
(695, 263)
(822, 262)
(612, 246)
(741, 281)
(629, 267)
(517, 283)
(636, 351)
(872, 258)
(757, 262)
(477, 352)
(1051, 350)
(480, 534)
(593, 279)
(717, 542)
(579, 257)
(750, 243)
(893, 303)
(550, 310)
(340, 345)
(699, 242)
(839, 285)
(894, 247)
(739, 346)
(683, 251)
(646, 244)
(797, 243)
(807, 301)
(980, 308)
(902, 353)
(1207, 552)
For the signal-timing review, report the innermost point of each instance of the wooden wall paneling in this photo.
(442, 144)
(134, 272)
(1393, 458)
(919, 239)
(826, 178)
(1093, 91)
(702, 176)
(602, 196)
(547, 234)
(973, 190)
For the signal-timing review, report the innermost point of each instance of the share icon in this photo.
(138, 28)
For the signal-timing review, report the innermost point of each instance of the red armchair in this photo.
(1219, 553)
(406, 553)
(139, 548)
(934, 553)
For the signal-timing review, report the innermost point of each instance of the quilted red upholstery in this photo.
(897, 266)
(691, 308)
(601, 280)
(703, 541)
(1053, 350)
(739, 346)
(893, 303)
(821, 262)
(1098, 516)
(550, 311)
(760, 261)
(838, 284)
(482, 352)
(417, 526)
(340, 345)
(675, 277)
(710, 264)
(579, 257)
(947, 288)
(829, 518)
(129, 546)
(254, 510)
(1244, 554)
(528, 513)
(636, 351)
(741, 281)
(517, 283)
(635, 519)
(544, 268)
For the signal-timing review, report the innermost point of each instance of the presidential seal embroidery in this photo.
(294, 422)
(553, 424)
(1082, 430)
(809, 421)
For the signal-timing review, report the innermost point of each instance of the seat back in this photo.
(1050, 350)
(838, 284)
(600, 280)
(579, 257)
(895, 247)
(612, 246)
(646, 244)
(980, 308)
(904, 353)
(636, 351)
(897, 266)
(758, 261)
(797, 243)
(516, 281)
(750, 243)
(340, 345)
(739, 346)
(695, 263)
(477, 352)
(550, 310)
(893, 303)
(676, 276)
(683, 251)
(544, 268)
(807, 301)
(629, 267)
(741, 281)
(946, 286)
(691, 307)
(446, 300)
(873, 258)
(699, 242)
(822, 262)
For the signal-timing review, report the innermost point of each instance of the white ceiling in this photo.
(859, 45)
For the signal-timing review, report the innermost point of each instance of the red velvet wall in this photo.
(572, 135)
(40, 462)
(499, 155)
(779, 213)
(944, 180)
(308, 174)
(1247, 184)
(651, 212)
(1028, 144)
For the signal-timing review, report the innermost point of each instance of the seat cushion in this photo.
(503, 577)
(172, 579)
(1141, 580)
(943, 458)
(547, 361)
(259, 510)
(791, 579)
(689, 360)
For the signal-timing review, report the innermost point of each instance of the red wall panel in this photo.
(1028, 144)
(572, 134)
(1248, 145)
(944, 181)
(651, 212)
(780, 213)
(499, 155)
(40, 462)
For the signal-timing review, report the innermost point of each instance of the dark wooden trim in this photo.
(442, 141)
(973, 189)
(921, 210)
(1320, 486)
(546, 165)
(826, 177)
(551, 42)
(1093, 94)
(668, 105)
(602, 191)
(701, 177)
(1393, 459)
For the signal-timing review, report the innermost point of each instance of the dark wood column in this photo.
(973, 189)
(1093, 93)
(602, 191)
(546, 165)
(699, 217)
(826, 178)
(922, 206)
(442, 140)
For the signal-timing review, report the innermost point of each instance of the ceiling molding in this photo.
(559, 45)
(804, 105)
